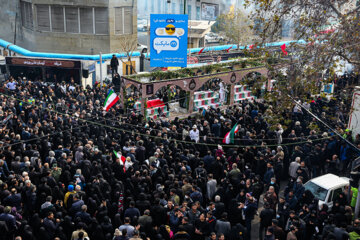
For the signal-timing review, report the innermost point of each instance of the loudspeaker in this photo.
(3, 69)
(85, 73)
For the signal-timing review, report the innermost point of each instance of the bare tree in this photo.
(329, 29)
(128, 45)
(236, 26)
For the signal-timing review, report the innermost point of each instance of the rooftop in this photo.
(328, 181)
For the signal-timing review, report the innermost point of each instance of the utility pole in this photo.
(101, 78)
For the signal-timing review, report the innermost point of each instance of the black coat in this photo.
(114, 62)
(159, 215)
(266, 215)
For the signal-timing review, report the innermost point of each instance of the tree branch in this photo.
(354, 11)
(348, 59)
(340, 15)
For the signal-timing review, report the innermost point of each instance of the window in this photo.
(336, 194)
(43, 17)
(173, 8)
(152, 7)
(189, 11)
(101, 21)
(181, 7)
(123, 20)
(197, 13)
(285, 28)
(68, 19)
(26, 15)
(319, 192)
(57, 18)
(72, 20)
(86, 20)
(159, 6)
(119, 23)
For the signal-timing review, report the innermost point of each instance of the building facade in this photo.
(68, 26)
(196, 9)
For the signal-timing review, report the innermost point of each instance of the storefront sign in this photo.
(32, 62)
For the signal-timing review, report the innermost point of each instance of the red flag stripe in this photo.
(201, 51)
(113, 103)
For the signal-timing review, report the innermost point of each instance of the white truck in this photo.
(326, 188)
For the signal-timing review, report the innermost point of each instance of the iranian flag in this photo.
(201, 50)
(111, 99)
(122, 158)
(229, 137)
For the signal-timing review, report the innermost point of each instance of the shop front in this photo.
(49, 70)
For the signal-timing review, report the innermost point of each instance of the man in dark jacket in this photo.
(140, 152)
(116, 81)
(158, 213)
(132, 212)
(223, 225)
(14, 199)
(8, 219)
(266, 215)
(278, 231)
(83, 215)
(114, 64)
(77, 204)
(216, 128)
(49, 224)
(249, 212)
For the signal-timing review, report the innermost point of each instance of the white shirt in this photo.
(195, 135)
(11, 85)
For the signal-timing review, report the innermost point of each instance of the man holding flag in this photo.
(111, 99)
(230, 136)
(120, 160)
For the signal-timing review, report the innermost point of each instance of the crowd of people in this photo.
(70, 170)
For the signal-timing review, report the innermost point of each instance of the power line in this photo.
(324, 123)
(156, 137)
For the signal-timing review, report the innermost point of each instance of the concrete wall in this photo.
(63, 42)
(115, 39)
(8, 12)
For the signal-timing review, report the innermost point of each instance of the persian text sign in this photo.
(168, 40)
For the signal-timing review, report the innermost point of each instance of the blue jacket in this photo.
(250, 211)
(50, 226)
(76, 206)
(13, 200)
(292, 203)
(268, 175)
(344, 152)
(4, 171)
(174, 220)
(9, 220)
(298, 190)
(84, 216)
(131, 213)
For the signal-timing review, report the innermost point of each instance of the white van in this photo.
(327, 187)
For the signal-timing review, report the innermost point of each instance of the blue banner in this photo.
(168, 40)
